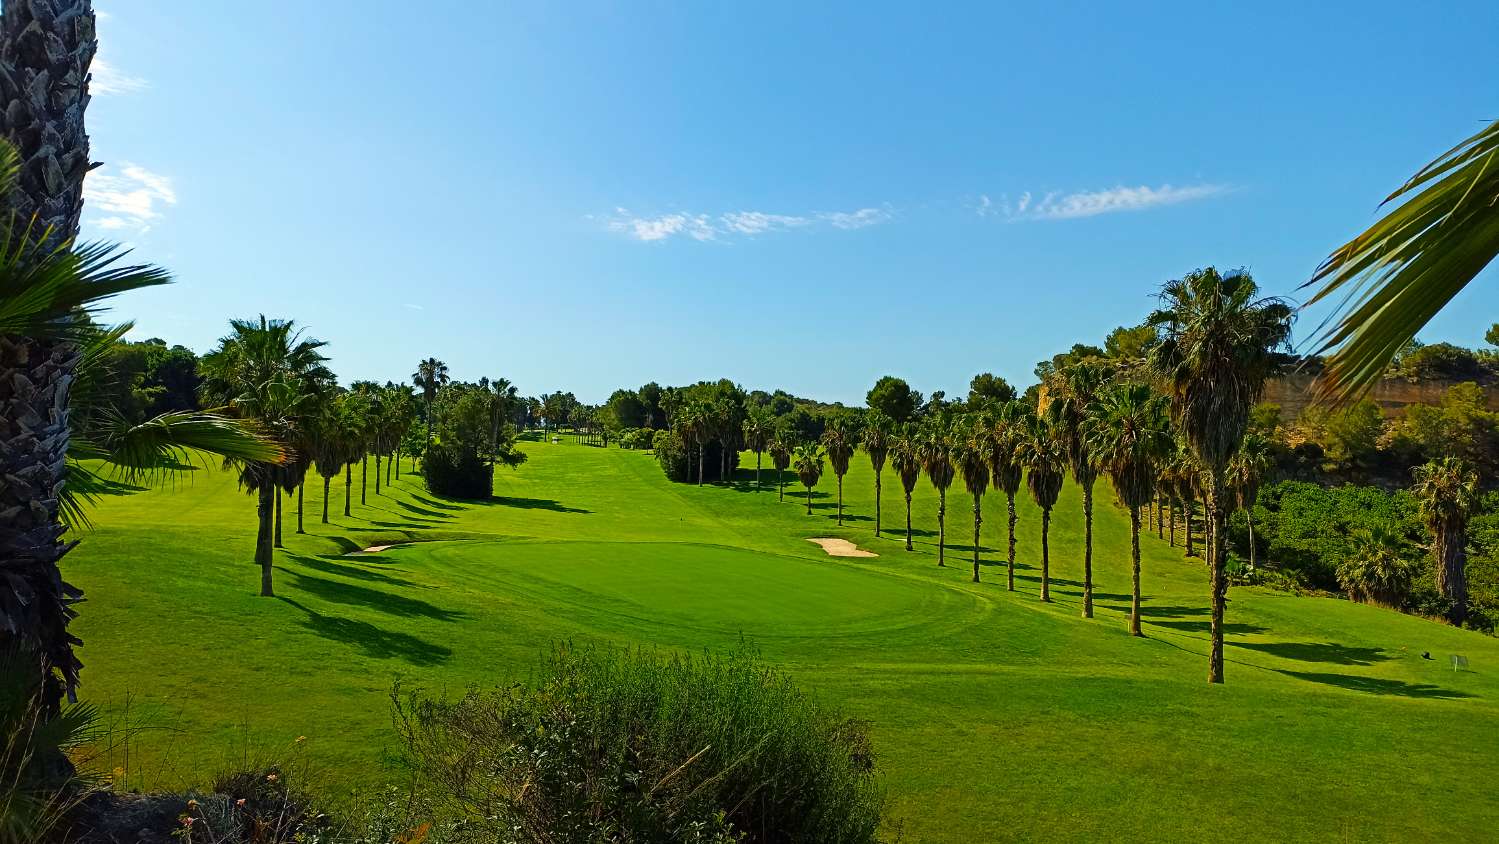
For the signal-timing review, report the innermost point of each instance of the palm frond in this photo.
(1394, 277)
(41, 287)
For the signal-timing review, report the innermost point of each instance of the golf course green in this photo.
(994, 715)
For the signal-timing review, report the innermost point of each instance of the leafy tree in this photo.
(1076, 388)
(782, 446)
(1439, 361)
(893, 397)
(1217, 348)
(987, 389)
(1007, 427)
(459, 462)
(1448, 491)
(334, 439)
(839, 439)
(1130, 344)
(1492, 335)
(1398, 273)
(905, 457)
(972, 451)
(430, 376)
(808, 463)
(759, 429)
(1079, 351)
(877, 433)
(1127, 435)
(936, 460)
(1043, 452)
(625, 410)
(1378, 570)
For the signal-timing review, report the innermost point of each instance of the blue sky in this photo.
(806, 196)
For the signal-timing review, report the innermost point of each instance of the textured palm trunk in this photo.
(327, 483)
(1010, 559)
(1134, 556)
(942, 528)
(378, 471)
(1249, 520)
(840, 501)
(1218, 579)
(364, 474)
(876, 503)
(757, 471)
(1171, 518)
(277, 494)
(1160, 528)
(701, 456)
(978, 519)
(395, 460)
(390, 464)
(909, 547)
(348, 486)
(1045, 555)
(1088, 550)
(264, 511)
(45, 52)
(1452, 575)
(301, 493)
(809, 501)
(1187, 526)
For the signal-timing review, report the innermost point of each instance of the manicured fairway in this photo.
(994, 715)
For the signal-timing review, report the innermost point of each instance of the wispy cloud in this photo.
(412, 306)
(705, 227)
(108, 80)
(131, 199)
(1071, 206)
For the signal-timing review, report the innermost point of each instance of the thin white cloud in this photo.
(413, 306)
(704, 227)
(1072, 206)
(131, 199)
(107, 80)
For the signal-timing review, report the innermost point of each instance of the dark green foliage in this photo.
(456, 472)
(679, 460)
(459, 461)
(891, 396)
(1309, 528)
(989, 390)
(1439, 361)
(617, 745)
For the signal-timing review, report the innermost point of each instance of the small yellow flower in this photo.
(271, 777)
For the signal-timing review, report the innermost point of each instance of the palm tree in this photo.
(1044, 455)
(1218, 344)
(808, 463)
(266, 371)
(1395, 276)
(759, 428)
(1448, 491)
(695, 421)
(973, 462)
(839, 439)
(905, 456)
(430, 376)
(877, 446)
(1246, 472)
(1377, 570)
(1078, 385)
(781, 449)
(1127, 434)
(936, 461)
(1006, 429)
(328, 444)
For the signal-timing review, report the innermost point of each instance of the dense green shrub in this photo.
(679, 460)
(618, 745)
(638, 438)
(456, 472)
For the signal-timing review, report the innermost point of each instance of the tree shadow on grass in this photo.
(849, 517)
(1229, 627)
(423, 511)
(335, 592)
(1330, 652)
(1378, 686)
(1098, 596)
(374, 641)
(328, 565)
(401, 525)
(431, 502)
(535, 504)
(1036, 579)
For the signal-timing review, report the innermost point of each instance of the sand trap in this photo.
(373, 549)
(842, 548)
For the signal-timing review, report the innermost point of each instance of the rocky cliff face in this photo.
(1393, 395)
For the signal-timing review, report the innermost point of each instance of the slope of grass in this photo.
(994, 715)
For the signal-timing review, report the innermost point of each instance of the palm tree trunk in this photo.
(840, 501)
(701, 456)
(348, 486)
(876, 503)
(1010, 503)
(278, 517)
(327, 482)
(1187, 526)
(301, 493)
(364, 472)
(1219, 578)
(809, 501)
(1249, 520)
(1171, 517)
(1088, 550)
(757, 471)
(377, 472)
(781, 483)
(909, 547)
(941, 527)
(1452, 575)
(978, 519)
(264, 512)
(1045, 555)
(1134, 556)
(1160, 532)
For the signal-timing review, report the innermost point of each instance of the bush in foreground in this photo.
(621, 745)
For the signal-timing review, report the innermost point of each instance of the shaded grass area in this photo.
(994, 715)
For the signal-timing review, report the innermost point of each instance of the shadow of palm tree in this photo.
(430, 502)
(535, 504)
(374, 641)
(1379, 686)
(1232, 627)
(335, 592)
(423, 511)
(1329, 652)
(328, 565)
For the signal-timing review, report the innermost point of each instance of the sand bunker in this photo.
(374, 549)
(842, 548)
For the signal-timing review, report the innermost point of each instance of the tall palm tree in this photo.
(808, 463)
(936, 461)
(328, 445)
(905, 457)
(972, 447)
(877, 446)
(781, 449)
(1246, 472)
(759, 428)
(430, 376)
(695, 421)
(1043, 452)
(1448, 491)
(1395, 276)
(1078, 385)
(267, 371)
(839, 439)
(1218, 345)
(1006, 429)
(1127, 434)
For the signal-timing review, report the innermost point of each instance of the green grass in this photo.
(994, 715)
